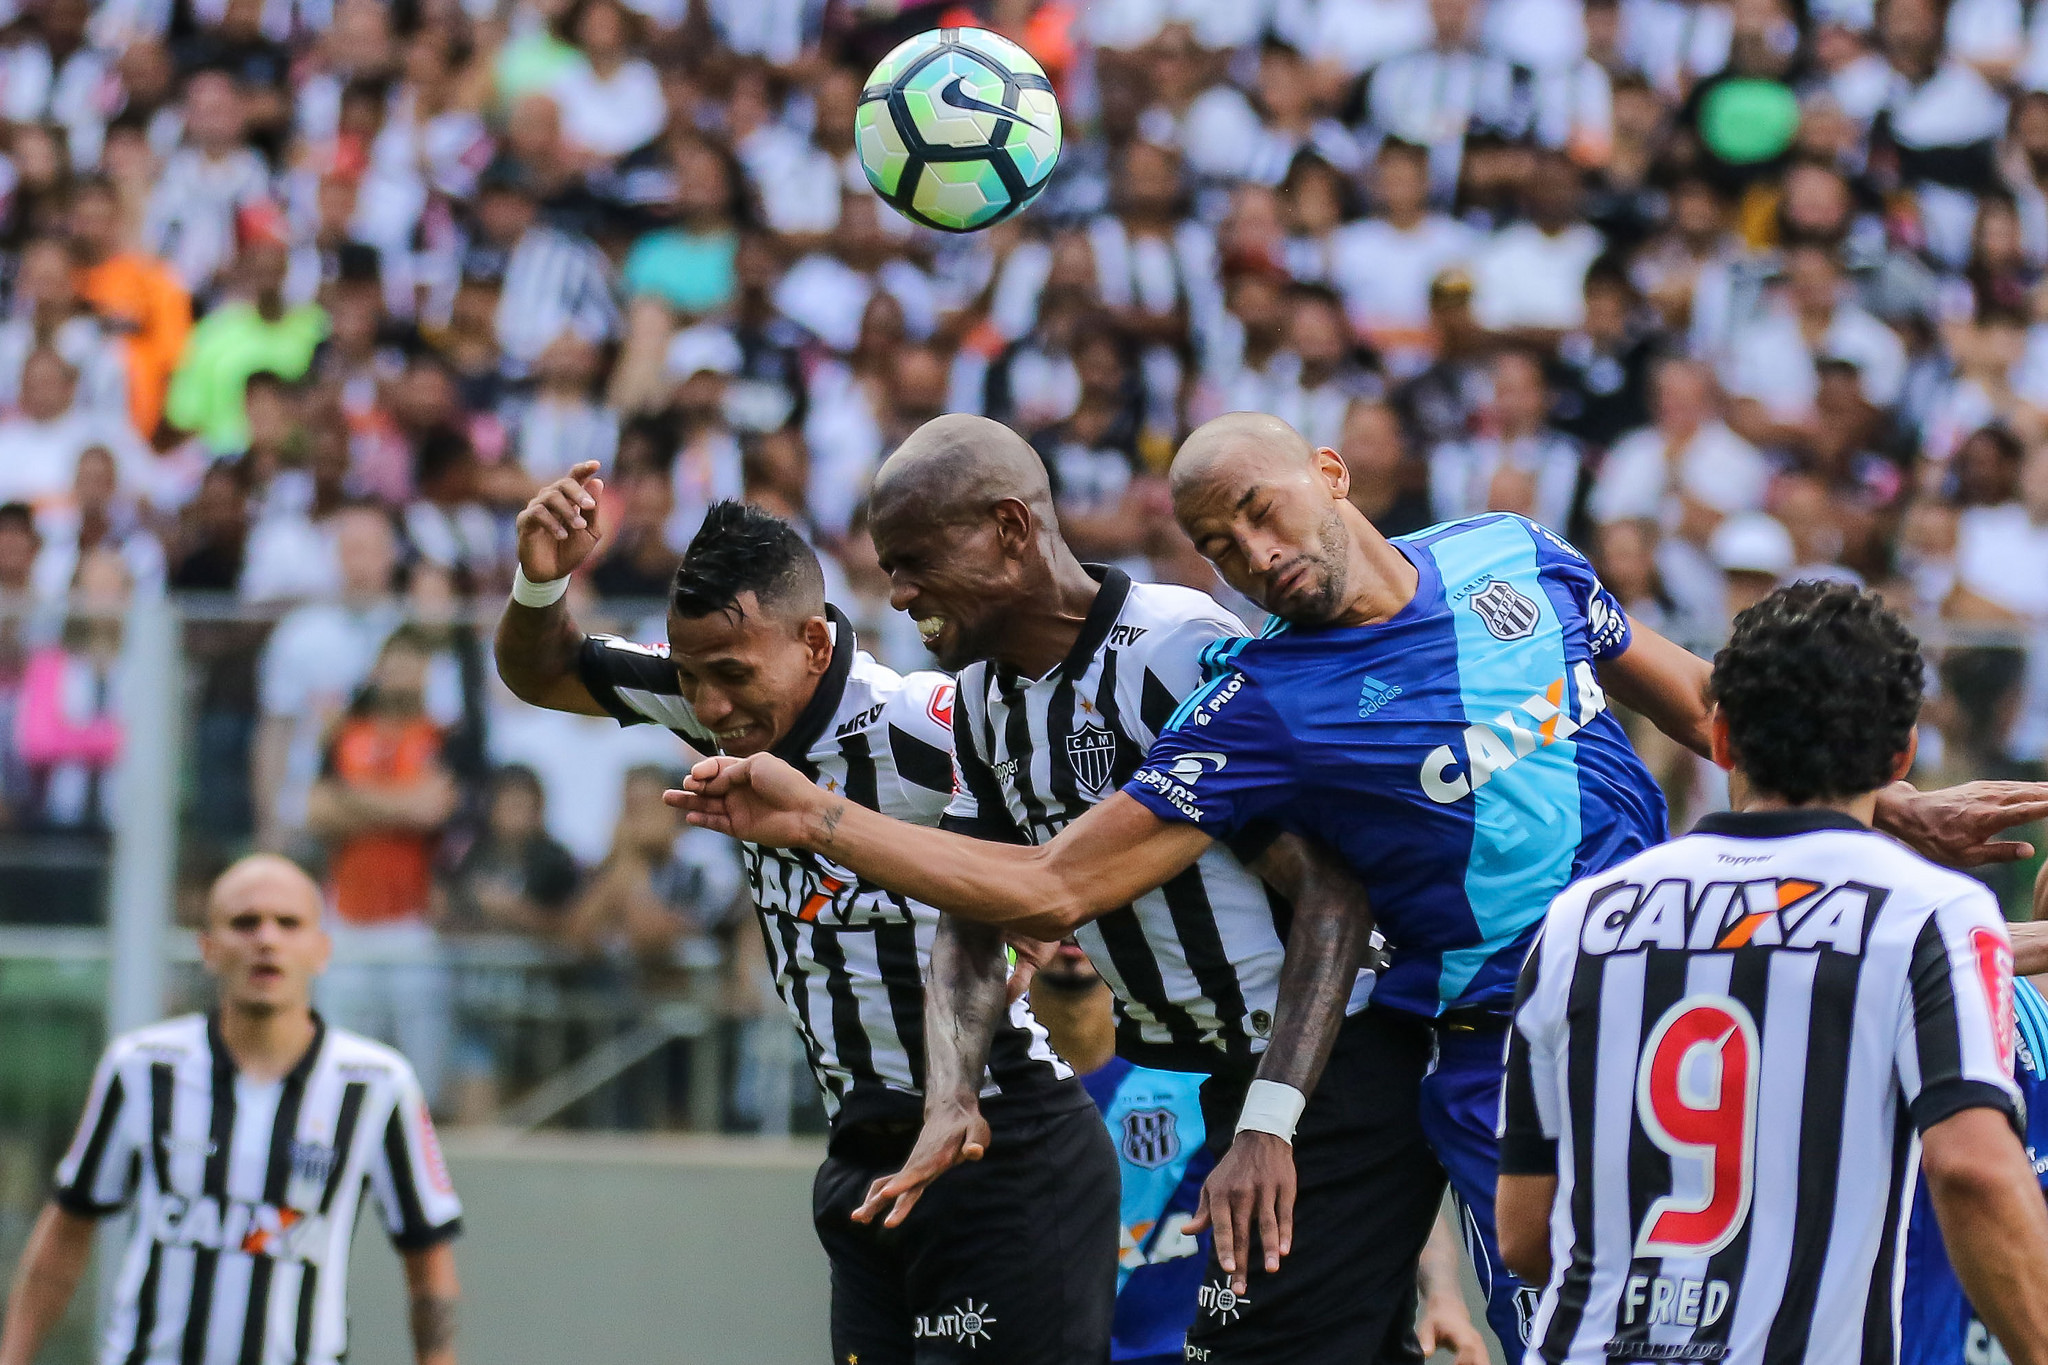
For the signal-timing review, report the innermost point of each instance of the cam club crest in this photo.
(1092, 751)
(1151, 1138)
(1506, 614)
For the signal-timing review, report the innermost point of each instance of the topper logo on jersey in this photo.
(1092, 751)
(1506, 614)
(1490, 746)
(1778, 912)
(1151, 1138)
(284, 1234)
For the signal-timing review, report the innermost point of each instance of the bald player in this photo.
(1067, 674)
(1435, 709)
(244, 1140)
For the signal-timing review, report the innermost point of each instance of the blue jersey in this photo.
(1460, 755)
(1937, 1326)
(1155, 1119)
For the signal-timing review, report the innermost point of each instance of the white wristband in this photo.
(528, 593)
(1271, 1107)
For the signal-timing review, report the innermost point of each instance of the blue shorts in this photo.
(1460, 1108)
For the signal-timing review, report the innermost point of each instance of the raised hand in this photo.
(759, 799)
(1959, 826)
(558, 528)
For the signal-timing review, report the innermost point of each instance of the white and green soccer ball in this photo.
(958, 128)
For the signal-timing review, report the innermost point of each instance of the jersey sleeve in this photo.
(97, 1174)
(1606, 622)
(1532, 1111)
(1222, 762)
(1171, 668)
(918, 725)
(1956, 1031)
(409, 1177)
(635, 684)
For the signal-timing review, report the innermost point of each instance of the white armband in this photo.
(528, 593)
(1271, 1107)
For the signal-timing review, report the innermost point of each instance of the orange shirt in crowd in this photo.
(387, 875)
(143, 298)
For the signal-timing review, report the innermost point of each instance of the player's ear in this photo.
(1903, 764)
(816, 633)
(1331, 466)
(1014, 525)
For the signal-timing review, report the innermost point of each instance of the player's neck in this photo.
(1863, 808)
(1042, 631)
(1380, 579)
(266, 1044)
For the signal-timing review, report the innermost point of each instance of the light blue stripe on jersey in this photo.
(2030, 1011)
(1508, 886)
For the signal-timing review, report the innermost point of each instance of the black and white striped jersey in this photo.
(1194, 965)
(245, 1194)
(1726, 1049)
(848, 956)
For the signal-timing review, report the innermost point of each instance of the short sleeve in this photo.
(1222, 761)
(1170, 668)
(918, 725)
(409, 1176)
(1532, 1111)
(1956, 1036)
(635, 684)
(1605, 621)
(97, 1174)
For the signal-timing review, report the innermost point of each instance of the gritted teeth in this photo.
(930, 626)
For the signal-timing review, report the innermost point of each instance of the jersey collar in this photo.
(1776, 824)
(816, 717)
(224, 1062)
(1102, 614)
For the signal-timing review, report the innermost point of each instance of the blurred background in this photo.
(304, 298)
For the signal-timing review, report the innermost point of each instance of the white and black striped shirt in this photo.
(1194, 965)
(848, 956)
(555, 282)
(246, 1194)
(1725, 1049)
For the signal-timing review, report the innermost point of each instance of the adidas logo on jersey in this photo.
(1507, 739)
(1788, 912)
(1374, 695)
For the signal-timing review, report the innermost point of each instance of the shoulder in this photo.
(170, 1040)
(366, 1059)
(1157, 614)
(918, 704)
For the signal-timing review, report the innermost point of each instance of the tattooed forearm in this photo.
(1326, 944)
(828, 824)
(964, 1001)
(433, 1324)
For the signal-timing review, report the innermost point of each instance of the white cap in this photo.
(1753, 542)
(704, 347)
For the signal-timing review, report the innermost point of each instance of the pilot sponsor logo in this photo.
(1209, 708)
(1452, 773)
(1787, 912)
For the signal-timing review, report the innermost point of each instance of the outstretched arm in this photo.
(1959, 826)
(1994, 1225)
(966, 996)
(537, 647)
(1116, 852)
(1326, 944)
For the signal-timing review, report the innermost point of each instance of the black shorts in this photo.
(1368, 1190)
(1010, 1260)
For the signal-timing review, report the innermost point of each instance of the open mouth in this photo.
(929, 628)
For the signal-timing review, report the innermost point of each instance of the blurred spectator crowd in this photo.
(304, 298)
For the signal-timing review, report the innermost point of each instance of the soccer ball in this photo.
(958, 128)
